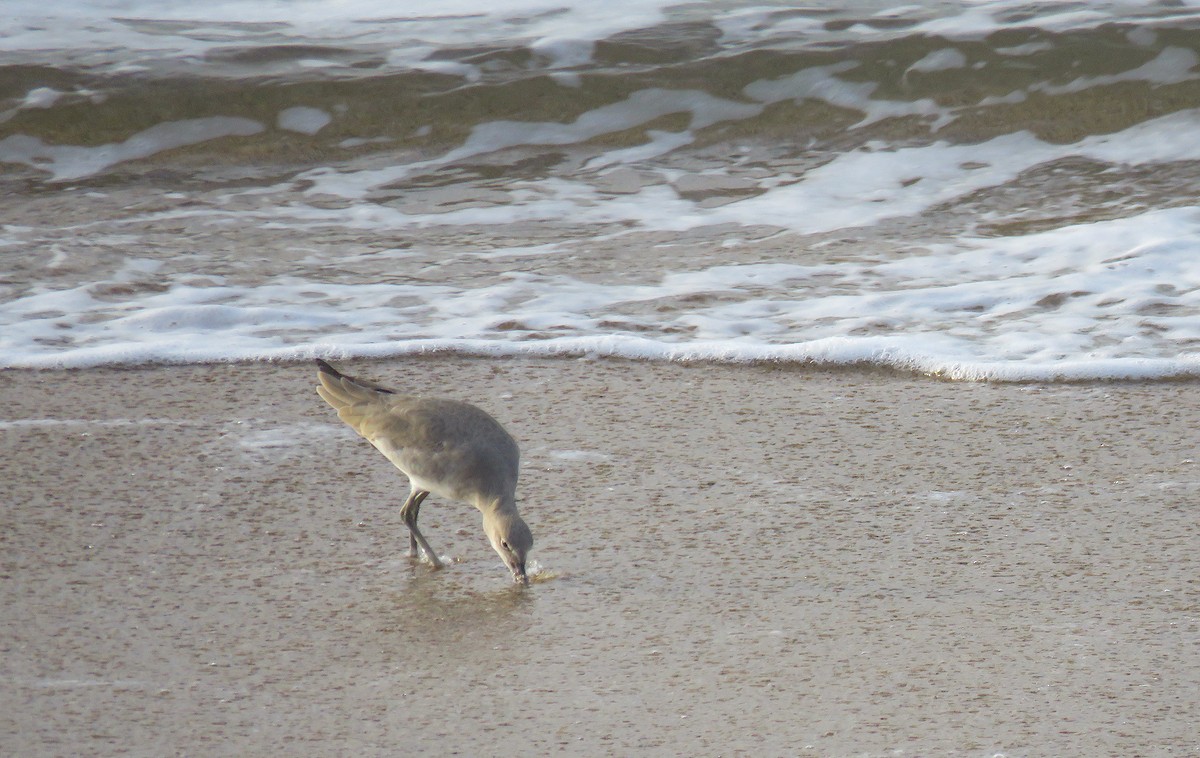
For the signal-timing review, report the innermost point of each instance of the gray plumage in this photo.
(445, 447)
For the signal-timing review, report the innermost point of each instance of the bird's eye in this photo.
(504, 545)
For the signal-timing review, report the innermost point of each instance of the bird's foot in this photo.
(423, 557)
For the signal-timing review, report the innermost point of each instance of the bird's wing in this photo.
(366, 407)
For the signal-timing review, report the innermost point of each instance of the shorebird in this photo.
(446, 447)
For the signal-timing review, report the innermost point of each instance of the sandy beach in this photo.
(734, 560)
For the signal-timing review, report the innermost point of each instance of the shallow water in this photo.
(986, 190)
(736, 560)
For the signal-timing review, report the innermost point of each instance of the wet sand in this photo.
(735, 560)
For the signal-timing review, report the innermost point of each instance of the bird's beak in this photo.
(519, 576)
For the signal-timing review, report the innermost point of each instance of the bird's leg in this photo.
(409, 512)
(416, 513)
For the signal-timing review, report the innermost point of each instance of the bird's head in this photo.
(511, 539)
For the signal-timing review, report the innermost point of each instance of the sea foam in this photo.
(1113, 299)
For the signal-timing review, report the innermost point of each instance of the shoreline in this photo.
(736, 558)
(800, 357)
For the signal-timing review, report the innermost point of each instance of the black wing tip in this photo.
(326, 368)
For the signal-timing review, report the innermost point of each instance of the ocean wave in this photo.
(831, 353)
(976, 191)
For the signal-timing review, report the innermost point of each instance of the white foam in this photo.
(1029, 48)
(639, 108)
(66, 162)
(41, 97)
(1113, 299)
(821, 83)
(1171, 66)
(940, 60)
(863, 186)
(145, 34)
(272, 442)
(140, 34)
(855, 189)
(303, 120)
(579, 456)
